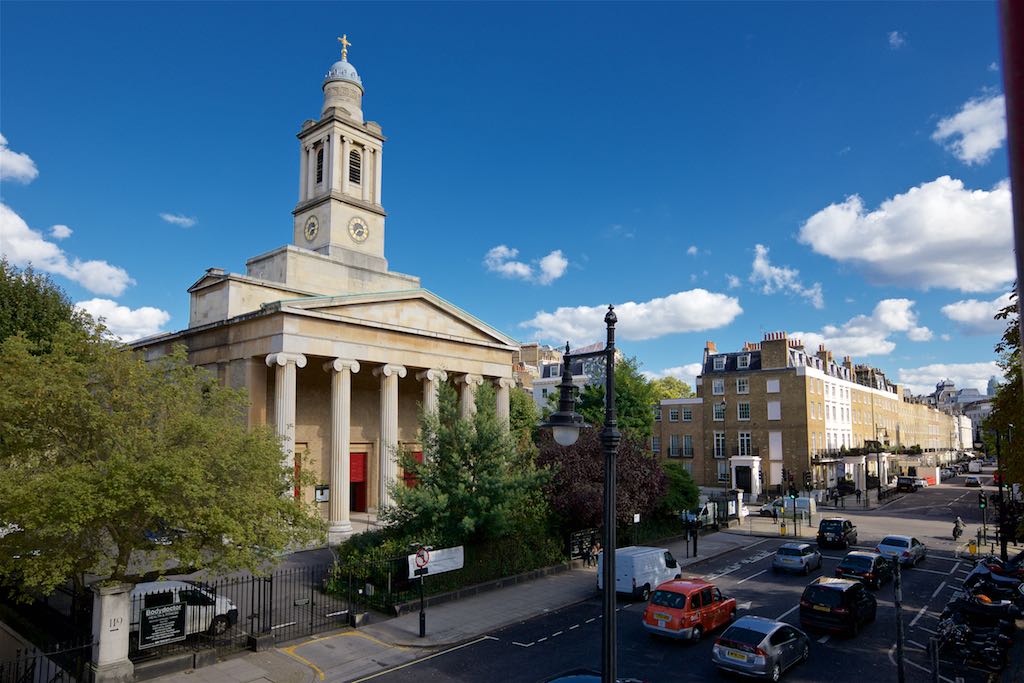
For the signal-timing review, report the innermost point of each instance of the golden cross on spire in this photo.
(344, 46)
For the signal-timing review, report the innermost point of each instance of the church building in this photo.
(335, 350)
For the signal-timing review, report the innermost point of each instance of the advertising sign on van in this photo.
(162, 625)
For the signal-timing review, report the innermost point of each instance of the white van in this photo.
(974, 467)
(639, 570)
(784, 506)
(205, 612)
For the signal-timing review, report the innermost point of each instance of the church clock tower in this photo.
(339, 212)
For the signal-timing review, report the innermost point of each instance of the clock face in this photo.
(312, 228)
(358, 230)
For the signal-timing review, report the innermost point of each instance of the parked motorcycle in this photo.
(961, 642)
(976, 611)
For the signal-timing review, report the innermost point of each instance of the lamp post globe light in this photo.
(565, 427)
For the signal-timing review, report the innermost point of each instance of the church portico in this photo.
(336, 351)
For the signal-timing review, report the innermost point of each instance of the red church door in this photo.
(357, 478)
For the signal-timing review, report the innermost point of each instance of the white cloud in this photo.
(945, 337)
(689, 311)
(897, 39)
(692, 251)
(501, 260)
(16, 165)
(178, 219)
(938, 234)
(688, 373)
(125, 323)
(974, 132)
(922, 380)
(869, 335)
(552, 267)
(782, 279)
(23, 246)
(993, 66)
(60, 232)
(976, 317)
(732, 281)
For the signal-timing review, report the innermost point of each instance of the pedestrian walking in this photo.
(857, 493)
(775, 515)
(592, 552)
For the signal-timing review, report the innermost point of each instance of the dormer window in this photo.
(719, 362)
(743, 362)
(355, 167)
(320, 165)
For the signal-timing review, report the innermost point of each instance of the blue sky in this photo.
(542, 161)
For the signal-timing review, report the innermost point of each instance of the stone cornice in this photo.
(307, 204)
(373, 133)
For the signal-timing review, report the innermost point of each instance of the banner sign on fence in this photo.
(436, 561)
(162, 625)
(580, 543)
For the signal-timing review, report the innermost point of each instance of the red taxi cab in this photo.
(687, 608)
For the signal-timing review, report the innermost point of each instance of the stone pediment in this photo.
(416, 311)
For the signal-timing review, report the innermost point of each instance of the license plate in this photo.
(822, 608)
(736, 655)
(661, 617)
(661, 623)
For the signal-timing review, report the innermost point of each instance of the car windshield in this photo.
(831, 525)
(668, 599)
(856, 562)
(739, 634)
(896, 542)
(819, 595)
(789, 551)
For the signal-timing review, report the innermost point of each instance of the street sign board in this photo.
(437, 561)
(162, 625)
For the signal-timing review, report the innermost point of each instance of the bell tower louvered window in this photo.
(320, 165)
(355, 167)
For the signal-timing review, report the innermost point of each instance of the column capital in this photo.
(339, 364)
(389, 369)
(505, 382)
(283, 358)
(469, 379)
(432, 375)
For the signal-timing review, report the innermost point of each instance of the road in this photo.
(570, 638)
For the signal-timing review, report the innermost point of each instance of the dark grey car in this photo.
(755, 646)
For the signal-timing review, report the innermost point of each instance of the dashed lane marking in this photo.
(930, 571)
(523, 644)
(423, 659)
(557, 633)
(752, 576)
(824, 639)
(590, 620)
(541, 640)
(920, 613)
(574, 626)
(937, 589)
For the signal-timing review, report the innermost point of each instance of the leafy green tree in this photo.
(101, 450)
(681, 492)
(473, 484)
(1008, 405)
(523, 416)
(634, 400)
(31, 304)
(670, 387)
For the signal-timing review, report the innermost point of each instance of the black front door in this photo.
(743, 478)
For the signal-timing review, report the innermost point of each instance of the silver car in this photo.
(906, 550)
(755, 646)
(796, 557)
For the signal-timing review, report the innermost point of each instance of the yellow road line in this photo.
(290, 650)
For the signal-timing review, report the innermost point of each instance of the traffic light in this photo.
(807, 480)
(792, 492)
(784, 477)
(982, 502)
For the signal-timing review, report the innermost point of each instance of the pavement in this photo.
(349, 654)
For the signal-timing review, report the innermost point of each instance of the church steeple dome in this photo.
(343, 89)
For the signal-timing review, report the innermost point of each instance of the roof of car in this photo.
(684, 585)
(900, 536)
(833, 583)
(834, 519)
(862, 553)
(759, 624)
(157, 586)
(795, 546)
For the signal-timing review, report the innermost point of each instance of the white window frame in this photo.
(772, 386)
(774, 410)
(746, 447)
(723, 471)
(673, 414)
(719, 362)
(687, 446)
(719, 440)
(718, 411)
(743, 362)
(656, 444)
(657, 413)
(673, 446)
(687, 414)
(745, 389)
(718, 387)
(739, 410)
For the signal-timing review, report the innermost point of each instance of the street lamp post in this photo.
(565, 426)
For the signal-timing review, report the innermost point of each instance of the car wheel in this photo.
(776, 673)
(807, 569)
(732, 616)
(220, 625)
(645, 592)
(696, 634)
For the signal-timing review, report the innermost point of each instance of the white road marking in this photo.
(920, 613)
(557, 633)
(927, 630)
(930, 571)
(590, 620)
(744, 605)
(824, 639)
(917, 644)
(290, 623)
(574, 626)
(892, 660)
(939, 588)
(423, 659)
(787, 612)
(541, 640)
(752, 576)
(523, 644)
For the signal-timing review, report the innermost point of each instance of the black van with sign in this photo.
(908, 484)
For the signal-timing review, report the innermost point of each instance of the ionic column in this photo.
(284, 365)
(346, 148)
(311, 170)
(335, 162)
(467, 393)
(329, 162)
(302, 171)
(364, 179)
(339, 525)
(377, 174)
(503, 384)
(431, 379)
(389, 375)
